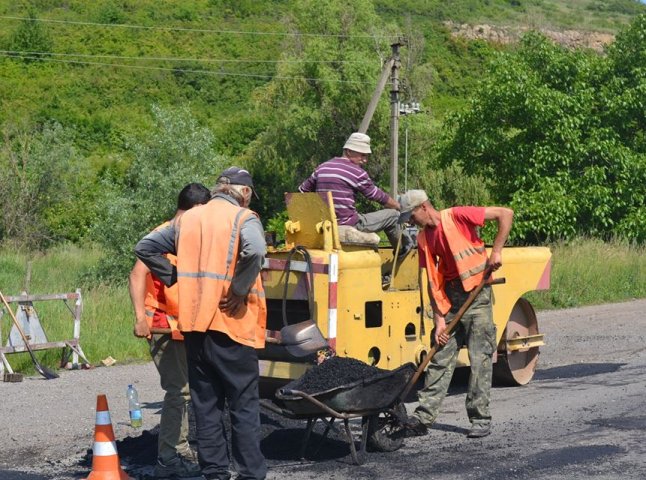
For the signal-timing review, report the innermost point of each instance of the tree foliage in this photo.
(559, 134)
(41, 177)
(313, 114)
(178, 151)
(30, 36)
(565, 130)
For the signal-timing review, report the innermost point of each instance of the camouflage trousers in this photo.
(477, 331)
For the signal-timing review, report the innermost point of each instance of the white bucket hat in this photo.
(358, 142)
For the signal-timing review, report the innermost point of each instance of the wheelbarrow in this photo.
(376, 400)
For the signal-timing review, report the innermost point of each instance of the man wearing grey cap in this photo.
(455, 260)
(344, 177)
(220, 249)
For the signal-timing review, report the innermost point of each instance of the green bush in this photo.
(178, 151)
(558, 134)
(45, 194)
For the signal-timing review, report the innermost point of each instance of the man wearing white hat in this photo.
(344, 177)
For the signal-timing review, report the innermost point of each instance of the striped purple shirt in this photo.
(344, 179)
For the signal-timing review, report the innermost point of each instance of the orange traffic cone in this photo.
(105, 460)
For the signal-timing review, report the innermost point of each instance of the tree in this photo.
(30, 36)
(39, 172)
(178, 151)
(318, 96)
(545, 128)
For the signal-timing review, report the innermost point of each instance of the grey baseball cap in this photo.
(409, 201)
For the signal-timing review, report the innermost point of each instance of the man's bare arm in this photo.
(504, 217)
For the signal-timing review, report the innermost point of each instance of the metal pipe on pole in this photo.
(394, 120)
(372, 106)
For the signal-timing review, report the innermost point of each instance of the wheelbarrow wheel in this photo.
(383, 430)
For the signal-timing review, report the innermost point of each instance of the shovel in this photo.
(449, 328)
(303, 338)
(44, 371)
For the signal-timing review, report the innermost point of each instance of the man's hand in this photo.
(232, 304)
(495, 260)
(441, 337)
(141, 329)
(392, 203)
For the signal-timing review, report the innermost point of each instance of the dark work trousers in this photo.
(220, 369)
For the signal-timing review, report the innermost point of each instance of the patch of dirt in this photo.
(596, 41)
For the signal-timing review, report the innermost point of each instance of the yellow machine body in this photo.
(382, 318)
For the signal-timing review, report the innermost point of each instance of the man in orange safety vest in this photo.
(455, 260)
(220, 249)
(156, 308)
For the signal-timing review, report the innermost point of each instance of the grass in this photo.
(584, 272)
(106, 320)
(592, 272)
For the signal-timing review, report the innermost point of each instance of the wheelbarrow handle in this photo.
(449, 328)
(316, 402)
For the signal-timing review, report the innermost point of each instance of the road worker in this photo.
(455, 260)
(156, 307)
(220, 249)
(345, 177)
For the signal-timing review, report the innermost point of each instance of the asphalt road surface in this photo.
(582, 416)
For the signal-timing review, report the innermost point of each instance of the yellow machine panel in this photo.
(380, 316)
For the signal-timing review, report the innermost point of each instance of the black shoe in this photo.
(479, 431)
(218, 476)
(413, 427)
(177, 467)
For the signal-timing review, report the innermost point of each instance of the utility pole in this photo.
(394, 117)
(391, 68)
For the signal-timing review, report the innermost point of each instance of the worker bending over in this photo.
(455, 260)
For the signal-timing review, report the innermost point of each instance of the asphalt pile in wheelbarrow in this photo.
(332, 373)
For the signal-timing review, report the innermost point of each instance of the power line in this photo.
(7, 54)
(176, 59)
(200, 30)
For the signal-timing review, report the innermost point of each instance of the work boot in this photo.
(413, 427)
(217, 476)
(177, 468)
(479, 430)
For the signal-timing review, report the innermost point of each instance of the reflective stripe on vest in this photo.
(208, 244)
(470, 260)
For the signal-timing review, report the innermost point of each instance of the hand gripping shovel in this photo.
(449, 328)
(44, 371)
(303, 338)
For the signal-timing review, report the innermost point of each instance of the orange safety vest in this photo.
(209, 237)
(160, 297)
(470, 259)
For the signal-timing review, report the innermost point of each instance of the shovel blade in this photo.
(302, 339)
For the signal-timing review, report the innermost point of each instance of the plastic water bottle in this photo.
(136, 419)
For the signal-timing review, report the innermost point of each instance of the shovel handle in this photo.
(449, 328)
